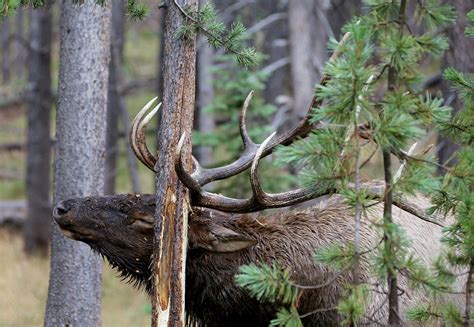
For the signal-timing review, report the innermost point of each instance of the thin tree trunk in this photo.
(205, 96)
(170, 242)
(74, 285)
(38, 108)
(131, 159)
(340, 12)
(392, 281)
(5, 48)
(275, 46)
(468, 295)
(459, 56)
(302, 72)
(19, 49)
(114, 97)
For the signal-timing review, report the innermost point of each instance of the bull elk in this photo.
(225, 233)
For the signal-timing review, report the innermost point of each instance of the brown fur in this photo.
(121, 228)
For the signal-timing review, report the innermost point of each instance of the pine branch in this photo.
(247, 57)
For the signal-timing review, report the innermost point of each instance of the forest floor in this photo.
(24, 287)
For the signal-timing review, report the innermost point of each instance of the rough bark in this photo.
(159, 63)
(74, 285)
(114, 97)
(458, 56)
(38, 108)
(170, 240)
(5, 47)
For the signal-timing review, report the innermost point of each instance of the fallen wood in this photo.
(10, 175)
(8, 147)
(12, 213)
(12, 102)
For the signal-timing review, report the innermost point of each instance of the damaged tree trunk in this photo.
(170, 239)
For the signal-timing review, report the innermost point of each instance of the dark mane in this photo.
(136, 274)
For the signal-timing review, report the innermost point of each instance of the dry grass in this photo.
(24, 286)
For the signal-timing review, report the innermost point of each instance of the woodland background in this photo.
(292, 35)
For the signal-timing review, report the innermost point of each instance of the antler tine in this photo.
(260, 199)
(257, 190)
(243, 125)
(207, 175)
(141, 140)
(133, 131)
(204, 176)
(267, 200)
(250, 157)
(183, 175)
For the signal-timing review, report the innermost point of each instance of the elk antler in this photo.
(137, 135)
(251, 155)
(203, 176)
(260, 199)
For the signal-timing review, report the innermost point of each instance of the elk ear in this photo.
(141, 219)
(224, 240)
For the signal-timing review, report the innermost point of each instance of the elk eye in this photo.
(141, 219)
(141, 224)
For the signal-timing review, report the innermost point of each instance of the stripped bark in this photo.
(170, 241)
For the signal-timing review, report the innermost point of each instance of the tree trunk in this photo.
(340, 12)
(302, 72)
(19, 48)
(275, 46)
(205, 96)
(38, 108)
(131, 159)
(159, 61)
(170, 240)
(114, 97)
(74, 285)
(458, 56)
(5, 46)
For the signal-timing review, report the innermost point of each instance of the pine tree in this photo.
(373, 104)
(456, 196)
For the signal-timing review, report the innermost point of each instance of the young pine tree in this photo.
(373, 105)
(456, 197)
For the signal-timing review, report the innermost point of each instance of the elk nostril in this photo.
(60, 210)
